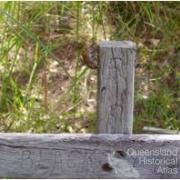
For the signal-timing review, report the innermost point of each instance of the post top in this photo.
(120, 44)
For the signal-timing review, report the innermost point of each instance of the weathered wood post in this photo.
(116, 86)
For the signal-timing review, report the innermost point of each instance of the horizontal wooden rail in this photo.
(89, 156)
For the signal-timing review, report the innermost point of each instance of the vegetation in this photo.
(44, 87)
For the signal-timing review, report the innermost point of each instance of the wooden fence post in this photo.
(116, 86)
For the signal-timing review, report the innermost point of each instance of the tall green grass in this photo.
(30, 33)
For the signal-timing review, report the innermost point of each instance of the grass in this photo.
(42, 36)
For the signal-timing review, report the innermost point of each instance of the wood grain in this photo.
(89, 156)
(116, 86)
